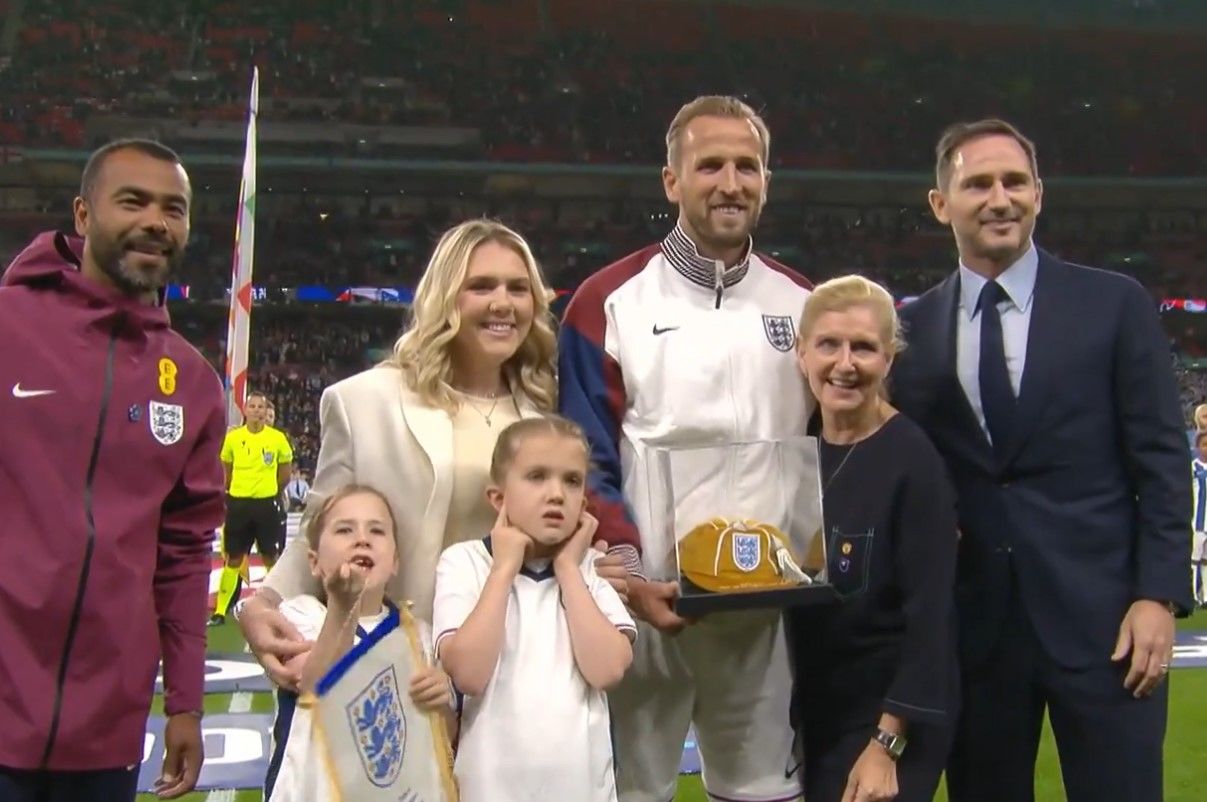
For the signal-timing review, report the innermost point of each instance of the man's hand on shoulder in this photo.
(272, 639)
(611, 568)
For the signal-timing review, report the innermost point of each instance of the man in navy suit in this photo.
(1048, 389)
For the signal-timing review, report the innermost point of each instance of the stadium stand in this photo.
(384, 123)
(561, 82)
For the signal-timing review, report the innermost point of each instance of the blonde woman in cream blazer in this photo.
(376, 431)
(420, 428)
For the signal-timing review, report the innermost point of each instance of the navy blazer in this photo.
(1090, 500)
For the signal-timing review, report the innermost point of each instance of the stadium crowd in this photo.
(344, 242)
(567, 84)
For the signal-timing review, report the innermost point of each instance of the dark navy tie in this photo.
(997, 395)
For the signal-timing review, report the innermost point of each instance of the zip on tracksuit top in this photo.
(668, 348)
(110, 492)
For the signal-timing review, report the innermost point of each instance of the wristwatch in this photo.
(893, 744)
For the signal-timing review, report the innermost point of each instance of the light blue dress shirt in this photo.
(1018, 280)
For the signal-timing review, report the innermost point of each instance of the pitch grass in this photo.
(1185, 741)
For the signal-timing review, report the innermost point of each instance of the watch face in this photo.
(893, 744)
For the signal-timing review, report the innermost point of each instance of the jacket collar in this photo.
(683, 255)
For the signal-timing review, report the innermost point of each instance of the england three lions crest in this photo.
(780, 331)
(379, 728)
(747, 551)
(167, 422)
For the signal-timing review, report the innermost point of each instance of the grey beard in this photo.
(136, 282)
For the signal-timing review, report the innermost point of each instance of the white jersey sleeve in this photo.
(306, 613)
(606, 597)
(457, 591)
(1198, 495)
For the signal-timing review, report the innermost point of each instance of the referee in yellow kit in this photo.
(257, 460)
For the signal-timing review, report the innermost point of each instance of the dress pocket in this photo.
(850, 560)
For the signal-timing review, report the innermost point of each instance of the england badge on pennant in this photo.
(781, 332)
(167, 422)
(378, 727)
(375, 743)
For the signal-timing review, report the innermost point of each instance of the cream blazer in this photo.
(376, 431)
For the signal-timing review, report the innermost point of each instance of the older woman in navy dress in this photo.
(876, 678)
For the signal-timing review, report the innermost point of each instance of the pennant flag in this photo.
(239, 327)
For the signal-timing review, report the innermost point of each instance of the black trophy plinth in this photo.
(695, 602)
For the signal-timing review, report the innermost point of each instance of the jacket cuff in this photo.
(177, 703)
(632, 560)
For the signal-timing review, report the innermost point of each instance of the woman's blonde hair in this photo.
(422, 352)
(840, 294)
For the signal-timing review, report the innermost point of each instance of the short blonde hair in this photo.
(422, 352)
(514, 435)
(714, 106)
(840, 294)
(1199, 411)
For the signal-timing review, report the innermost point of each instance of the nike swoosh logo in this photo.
(663, 331)
(19, 393)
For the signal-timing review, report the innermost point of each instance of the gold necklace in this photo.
(493, 398)
(485, 415)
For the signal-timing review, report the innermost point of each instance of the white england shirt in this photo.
(539, 732)
(1198, 490)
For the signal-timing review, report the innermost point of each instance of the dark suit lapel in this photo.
(1043, 334)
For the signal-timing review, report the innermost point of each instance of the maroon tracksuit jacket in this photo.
(110, 492)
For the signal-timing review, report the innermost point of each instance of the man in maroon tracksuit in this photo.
(110, 491)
